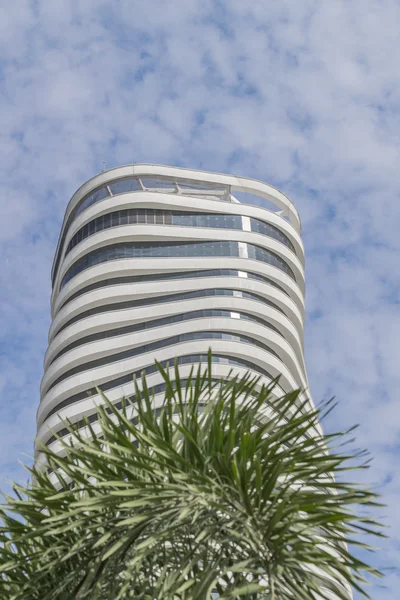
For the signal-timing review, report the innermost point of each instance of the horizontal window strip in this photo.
(144, 348)
(174, 250)
(198, 314)
(167, 299)
(171, 276)
(148, 216)
(182, 360)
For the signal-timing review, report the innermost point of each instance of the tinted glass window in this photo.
(266, 229)
(158, 184)
(170, 298)
(123, 186)
(183, 219)
(165, 321)
(167, 276)
(176, 339)
(177, 249)
(94, 197)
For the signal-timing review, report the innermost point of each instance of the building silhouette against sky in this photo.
(157, 262)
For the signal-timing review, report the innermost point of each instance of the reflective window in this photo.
(95, 196)
(176, 339)
(170, 298)
(182, 360)
(258, 226)
(204, 189)
(157, 183)
(92, 198)
(168, 276)
(263, 255)
(179, 218)
(198, 314)
(172, 249)
(124, 186)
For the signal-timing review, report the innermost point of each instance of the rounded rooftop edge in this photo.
(234, 182)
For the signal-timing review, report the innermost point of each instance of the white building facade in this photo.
(157, 262)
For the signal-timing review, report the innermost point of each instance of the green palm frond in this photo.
(222, 491)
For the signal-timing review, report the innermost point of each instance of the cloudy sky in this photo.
(304, 95)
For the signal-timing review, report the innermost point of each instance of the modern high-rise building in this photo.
(157, 262)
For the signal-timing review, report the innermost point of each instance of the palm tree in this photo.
(222, 491)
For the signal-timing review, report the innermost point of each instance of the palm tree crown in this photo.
(223, 490)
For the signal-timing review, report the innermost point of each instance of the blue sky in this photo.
(304, 95)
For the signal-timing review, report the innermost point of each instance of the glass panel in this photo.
(102, 221)
(124, 185)
(201, 185)
(179, 219)
(168, 219)
(150, 217)
(158, 184)
(267, 229)
(203, 221)
(95, 196)
(132, 217)
(123, 218)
